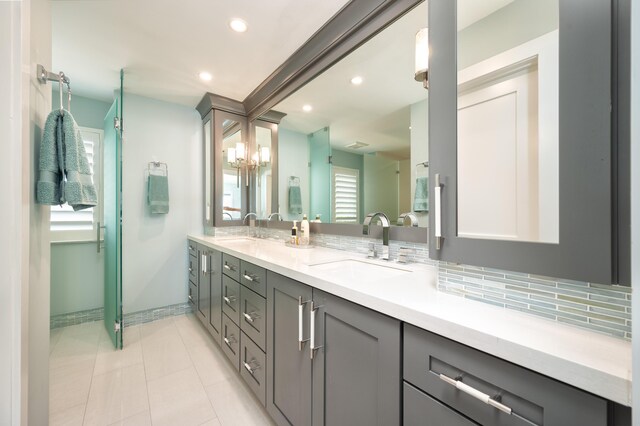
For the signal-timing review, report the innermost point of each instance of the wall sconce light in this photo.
(422, 57)
(235, 158)
(260, 158)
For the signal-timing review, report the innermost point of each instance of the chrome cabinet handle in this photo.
(250, 278)
(438, 212)
(229, 300)
(190, 269)
(250, 369)
(190, 247)
(248, 317)
(229, 267)
(229, 341)
(301, 339)
(476, 394)
(312, 338)
(190, 298)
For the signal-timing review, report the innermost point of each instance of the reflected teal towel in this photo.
(158, 194)
(421, 198)
(295, 200)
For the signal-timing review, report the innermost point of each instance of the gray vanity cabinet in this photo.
(350, 377)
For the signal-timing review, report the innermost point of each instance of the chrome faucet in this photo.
(271, 216)
(252, 222)
(384, 220)
(413, 219)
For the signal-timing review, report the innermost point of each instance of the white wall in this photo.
(154, 254)
(419, 150)
(635, 199)
(293, 153)
(25, 41)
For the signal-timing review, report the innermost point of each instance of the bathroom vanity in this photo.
(323, 336)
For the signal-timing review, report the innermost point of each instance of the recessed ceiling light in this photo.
(205, 76)
(307, 108)
(356, 81)
(238, 25)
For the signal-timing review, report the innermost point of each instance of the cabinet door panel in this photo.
(288, 367)
(356, 372)
(582, 248)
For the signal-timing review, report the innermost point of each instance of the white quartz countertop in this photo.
(594, 362)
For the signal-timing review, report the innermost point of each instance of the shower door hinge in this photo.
(116, 123)
(116, 327)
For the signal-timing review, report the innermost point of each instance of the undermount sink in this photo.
(236, 239)
(359, 270)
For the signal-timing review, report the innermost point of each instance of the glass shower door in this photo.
(113, 220)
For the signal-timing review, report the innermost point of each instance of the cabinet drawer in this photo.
(253, 277)
(429, 359)
(252, 366)
(231, 299)
(193, 294)
(253, 316)
(193, 248)
(193, 269)
(422, 410)
(231, 341)
(231, 266)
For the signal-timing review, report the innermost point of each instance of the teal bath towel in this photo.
(295, 200)
(421, 198)
(158, 194)
(65, 176)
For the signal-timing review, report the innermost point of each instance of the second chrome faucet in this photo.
(384, 220)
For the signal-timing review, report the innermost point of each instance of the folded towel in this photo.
(421, 198)
(158, 194)
(65, 175)
(295, 200)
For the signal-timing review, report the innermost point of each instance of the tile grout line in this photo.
(197, 374)
(144, 367)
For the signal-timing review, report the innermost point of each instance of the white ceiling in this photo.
(378, 111)
(164, 44)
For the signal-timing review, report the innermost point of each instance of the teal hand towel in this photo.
(421, 198)
(79, 191)
(158, 194)
(48, 190)
(295, 200)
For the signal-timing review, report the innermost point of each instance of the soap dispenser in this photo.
(294, 234)
(304, 231)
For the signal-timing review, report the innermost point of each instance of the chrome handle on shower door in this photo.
(438, 212)
(98, 228)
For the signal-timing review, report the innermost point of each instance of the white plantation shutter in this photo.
(346, 195)
(67, 224)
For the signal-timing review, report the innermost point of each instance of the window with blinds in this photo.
(70, 225)
(345, 203)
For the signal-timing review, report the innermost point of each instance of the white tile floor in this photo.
(169, 373)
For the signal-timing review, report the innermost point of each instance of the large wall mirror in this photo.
(355, 139)
(508, 115)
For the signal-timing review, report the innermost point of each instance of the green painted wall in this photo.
(381, 185)
(293, 152)
(87, 112)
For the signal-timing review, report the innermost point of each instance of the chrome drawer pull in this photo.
(250, 278)
(190, 269)
(250, 369)
(190, 298)
(248, 317)
(227, 266)
(229, 300)
(476, 394)
(312, 338)
(301, 339)
(228, 341)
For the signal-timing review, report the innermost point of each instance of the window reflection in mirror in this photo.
(362, 145)
(262, 159)
(233, 147)
(508, 183)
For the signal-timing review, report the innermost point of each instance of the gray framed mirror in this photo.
(264, 177)
(354, 139)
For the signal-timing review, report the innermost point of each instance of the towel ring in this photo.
(157, 165)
